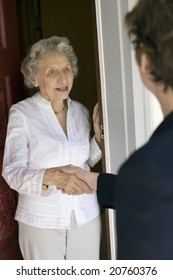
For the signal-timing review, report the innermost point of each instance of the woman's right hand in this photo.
(68, 183)
(87, 176)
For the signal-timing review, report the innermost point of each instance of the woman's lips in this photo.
(62, 89)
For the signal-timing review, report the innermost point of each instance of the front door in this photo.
(10, 92)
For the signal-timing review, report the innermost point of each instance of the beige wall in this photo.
(73, 19)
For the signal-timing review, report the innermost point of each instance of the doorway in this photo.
(76, 20)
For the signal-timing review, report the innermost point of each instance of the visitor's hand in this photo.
(89, 177)
(67, 182)
(96, 124)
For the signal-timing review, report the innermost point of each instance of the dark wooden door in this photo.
(10, 92)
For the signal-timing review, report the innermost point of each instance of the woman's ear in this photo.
(146, 72)
(144, 64)
(35, 83)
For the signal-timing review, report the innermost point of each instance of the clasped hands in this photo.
(71, 180)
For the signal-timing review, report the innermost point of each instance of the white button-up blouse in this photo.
(35, 141)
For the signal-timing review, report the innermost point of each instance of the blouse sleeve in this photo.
(95, 153)
(18, 175)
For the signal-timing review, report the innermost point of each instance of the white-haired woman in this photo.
(56, 212)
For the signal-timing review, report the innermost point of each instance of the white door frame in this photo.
(126, 105)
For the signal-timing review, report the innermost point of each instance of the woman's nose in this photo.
(61, 76)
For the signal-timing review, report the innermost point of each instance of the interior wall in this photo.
(73, 19)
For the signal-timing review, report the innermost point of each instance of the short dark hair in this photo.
(150, 27)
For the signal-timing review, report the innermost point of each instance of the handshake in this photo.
(71, 180)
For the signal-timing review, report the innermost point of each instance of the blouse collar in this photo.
(41, 101)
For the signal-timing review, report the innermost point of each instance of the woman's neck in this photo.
(165, 99)
(58, 107)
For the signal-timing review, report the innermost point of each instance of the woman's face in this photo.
(55, 76)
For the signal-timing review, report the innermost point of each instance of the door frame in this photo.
(124, 105)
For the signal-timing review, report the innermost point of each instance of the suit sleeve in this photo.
(107, 193)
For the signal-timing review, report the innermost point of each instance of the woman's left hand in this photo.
(96, 124)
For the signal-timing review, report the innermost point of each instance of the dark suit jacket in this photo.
(142, 194)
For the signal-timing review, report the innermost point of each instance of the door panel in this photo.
(10, 92)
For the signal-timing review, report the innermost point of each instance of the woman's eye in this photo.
(67, 69)
(52, 72)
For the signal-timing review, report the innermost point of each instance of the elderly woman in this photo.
(142, 192)
(56, 212)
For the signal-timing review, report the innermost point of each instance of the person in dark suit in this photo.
(142, 191)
